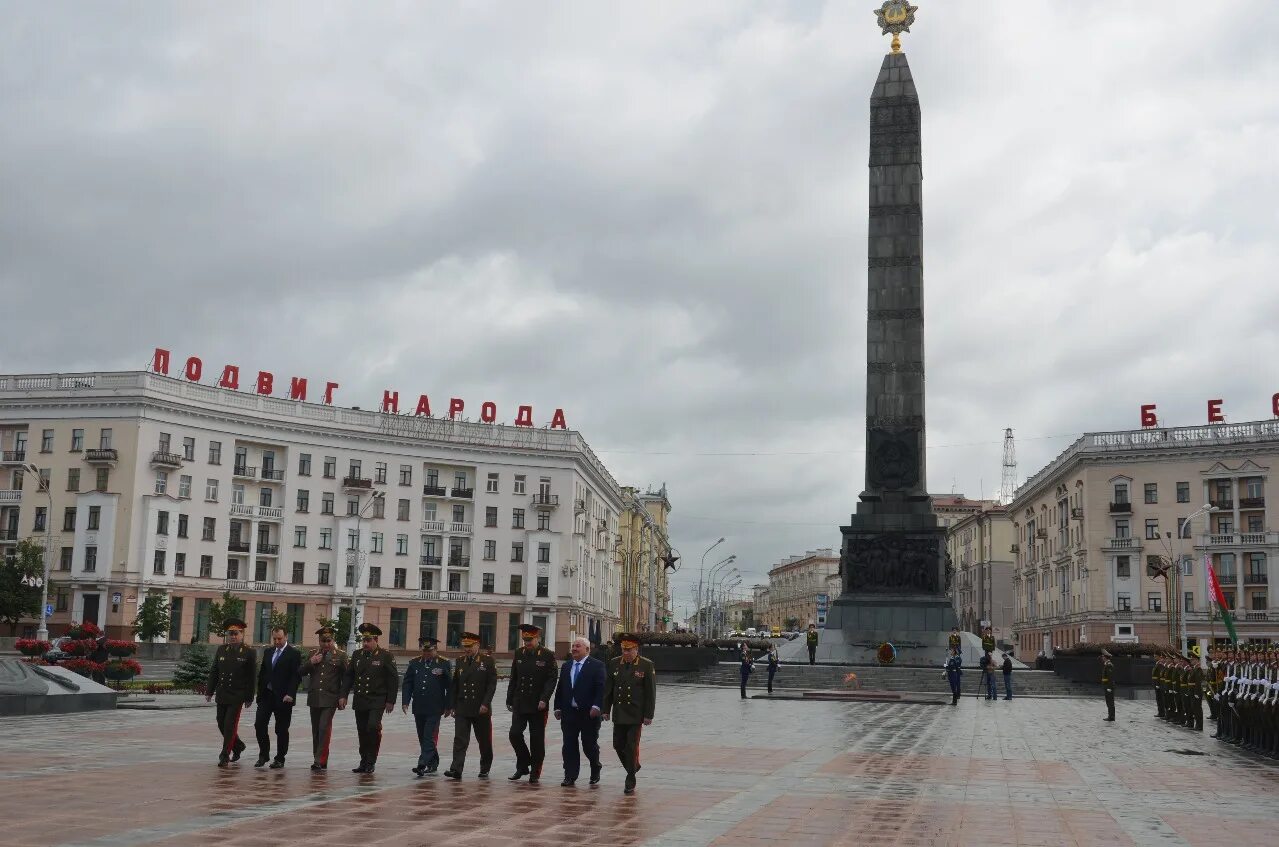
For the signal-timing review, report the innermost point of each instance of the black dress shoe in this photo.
(235, 754)
(534, 779)
(452, 774)
(518, 774)
(419, 771)
(430, 771)
(630, 784)
(317, 767)
(1107, 719)
(262, 760)
(223, 762)
(360, 769)
(567, 783)
(368, 768)
(595, 775)
(482, 775)
(277, 764)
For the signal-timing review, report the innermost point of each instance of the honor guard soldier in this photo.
(1108, 684)
(811, 640)
(372, 677)
(1194, 689)
(326, 670)
(954, 642)
(426, 686)
(529, 693)
(988, 640)
(1157, 679)
(232, 681)
(630, 694)
(471, 702)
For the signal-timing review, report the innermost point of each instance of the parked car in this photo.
(54, 654)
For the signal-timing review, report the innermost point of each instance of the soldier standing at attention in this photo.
(773, 662)
(372, 676)
(954, 673)
(471, 702)
(326, 667)
(1108, 684)
(988, 640)
(232, 680)
(953, 642)
(812, 643)
(426, 685)
(528, 697)
(748, 665)
(630, 695)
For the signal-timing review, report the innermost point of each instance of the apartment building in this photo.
(981, 587)
(794, 585)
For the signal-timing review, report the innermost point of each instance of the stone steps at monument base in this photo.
(928, 680)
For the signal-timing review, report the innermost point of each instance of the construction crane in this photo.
(1008, 481)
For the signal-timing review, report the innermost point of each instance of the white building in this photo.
(158, 484)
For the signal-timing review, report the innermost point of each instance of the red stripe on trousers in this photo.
(638, 731)
(324, 749)
(235, 730)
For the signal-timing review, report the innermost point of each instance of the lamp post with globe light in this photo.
(42, 634)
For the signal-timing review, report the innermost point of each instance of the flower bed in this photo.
(84, 667)
(83, 647)
(122, 648)
(32, 646)
(88, 629)
(121, 669)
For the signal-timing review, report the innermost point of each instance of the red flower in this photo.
(32, 646)
(84, 667)
(88, 629)
(123, 667)
(83, 647)
(121, 648)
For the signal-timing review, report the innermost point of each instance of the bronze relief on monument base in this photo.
(891, 563)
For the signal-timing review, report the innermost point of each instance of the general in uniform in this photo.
(471, 702)
(534, 673)
(232, 681)
(630, 695)
(375, 682)
(326, 668)
(427, 680)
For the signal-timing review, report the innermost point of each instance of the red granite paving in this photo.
(728, 759)
(915, 766)
(1202, 827)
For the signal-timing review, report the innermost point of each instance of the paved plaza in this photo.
(717, 771)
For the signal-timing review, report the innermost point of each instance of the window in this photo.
(46, 441)
(402, 510)
(379, 507)
(350, 575)
(356, 468)
(426, 580)
(353, 539)
(1152, 528)
(104, 439)
(1255, 523)
(453, 632)
(488, 629)
(241, 464)
(399, 627)
(68, 519)
(401, 578)
(157, 566)
(1255, 487)
(519, 483)
(1225, 524)
(73, 479)
(1188, 602)
(543, 554)
(379, 472)
(1123, 569)
(1121, 492)
(459, 479)
(179, 564)
(215, 452)
(206, 567)
(237, 494)
(543, 520)
(264, 497)
(91, 558)
(543, 586)
(210, 529)
(42, 517)
(401, 545)
(184, 487)
(77, 440)
(1226, 567)
(491, 484)
(165, 441)
(304, 464)
(175, 620)
(490, 515)
(1259, 602)
(517, 552)
(322, 574)
(428, 512)
(1183, 492)
(517, 584)
(326, 503)
(44, 478)
(459, 514)
(304, 500)
(1152, 492)
(182, 526)
(326, 538)
(68, 554)
(455, 581)
(102, 478)
(161, 523)
(376, 541)
(1154, 602)
(428, 621)
(487, 584)
(330, 467)
(299, 536)
(299, 573)
(232, 568)
(432, 478)
(352, 506)
(406, 474)
(1124, 603)
(517, 518)
(1121, 529)
(490, 550)
(161, 481)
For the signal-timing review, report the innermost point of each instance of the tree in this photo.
(230, 607)
(341, 625)
(153, 617)
(792, 624)
(193, 670)
(20, 579)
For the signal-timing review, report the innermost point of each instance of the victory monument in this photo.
(893, 557)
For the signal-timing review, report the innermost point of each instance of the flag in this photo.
(1215, 587)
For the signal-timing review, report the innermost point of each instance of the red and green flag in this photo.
(1220, 598)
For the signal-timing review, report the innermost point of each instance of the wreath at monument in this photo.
(886, 654)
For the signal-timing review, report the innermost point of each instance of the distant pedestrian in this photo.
(748, 665)
(1008, 675)
(954, 672)
(812, 643)
(1108, 684)
(987, 665)
(773, 662)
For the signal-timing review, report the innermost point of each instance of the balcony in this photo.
(430, 595)
(271, 475)
(460, 528)
(429, 490)
(268, 549)
(1077, 513)
(8, 535)
(1121, 508)
(1041, 533)
(457, 596)
(250, 585)
(546, 501)
(430, 561)
(1252, 502)
(1259, 616)
(10, 495)
(1254, 579)
(463, 493)
(269, 513)
(102, 456)
(13, 457)
(432, 527)
(1123, 543)
(1225, 505)
(1016, 548)
(237, 546)
(579, 506)
(459, 561)
(245, 471)
(241, 510)
(162, 459)
(357, 483)
(1231, 539)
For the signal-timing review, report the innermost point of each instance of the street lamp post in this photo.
(355, 572)
(1182, 533)
(710, 581)
(717, 591)
(42, 634)
(701, 569)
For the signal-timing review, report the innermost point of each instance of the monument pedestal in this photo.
(917, 625)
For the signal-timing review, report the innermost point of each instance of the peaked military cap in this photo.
(626, 639)
(234, 625)
(428, 642)
(369, 629)
(470, 638)
(528, 630)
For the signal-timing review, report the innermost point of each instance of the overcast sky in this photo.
(653, 214)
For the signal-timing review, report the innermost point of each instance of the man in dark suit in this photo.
(279, 675)
(579, 703)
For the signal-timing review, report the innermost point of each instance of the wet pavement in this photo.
(717, 770)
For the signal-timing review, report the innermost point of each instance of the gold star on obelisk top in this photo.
(895, 16)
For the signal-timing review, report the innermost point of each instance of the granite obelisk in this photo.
(893, 557)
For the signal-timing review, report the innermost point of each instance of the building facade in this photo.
(793, 587)
(1096, 531)
(951, 508)
(737, 615)
(642, 546)
(981, 587)
(439, 526)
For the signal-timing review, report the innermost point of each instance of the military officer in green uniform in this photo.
(1108, 683)
(471, 702)
(811, 640)
(534, 673)
(372, 676)
(326, 670)
(630, 695)
(1194, 690)
(232, 682)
